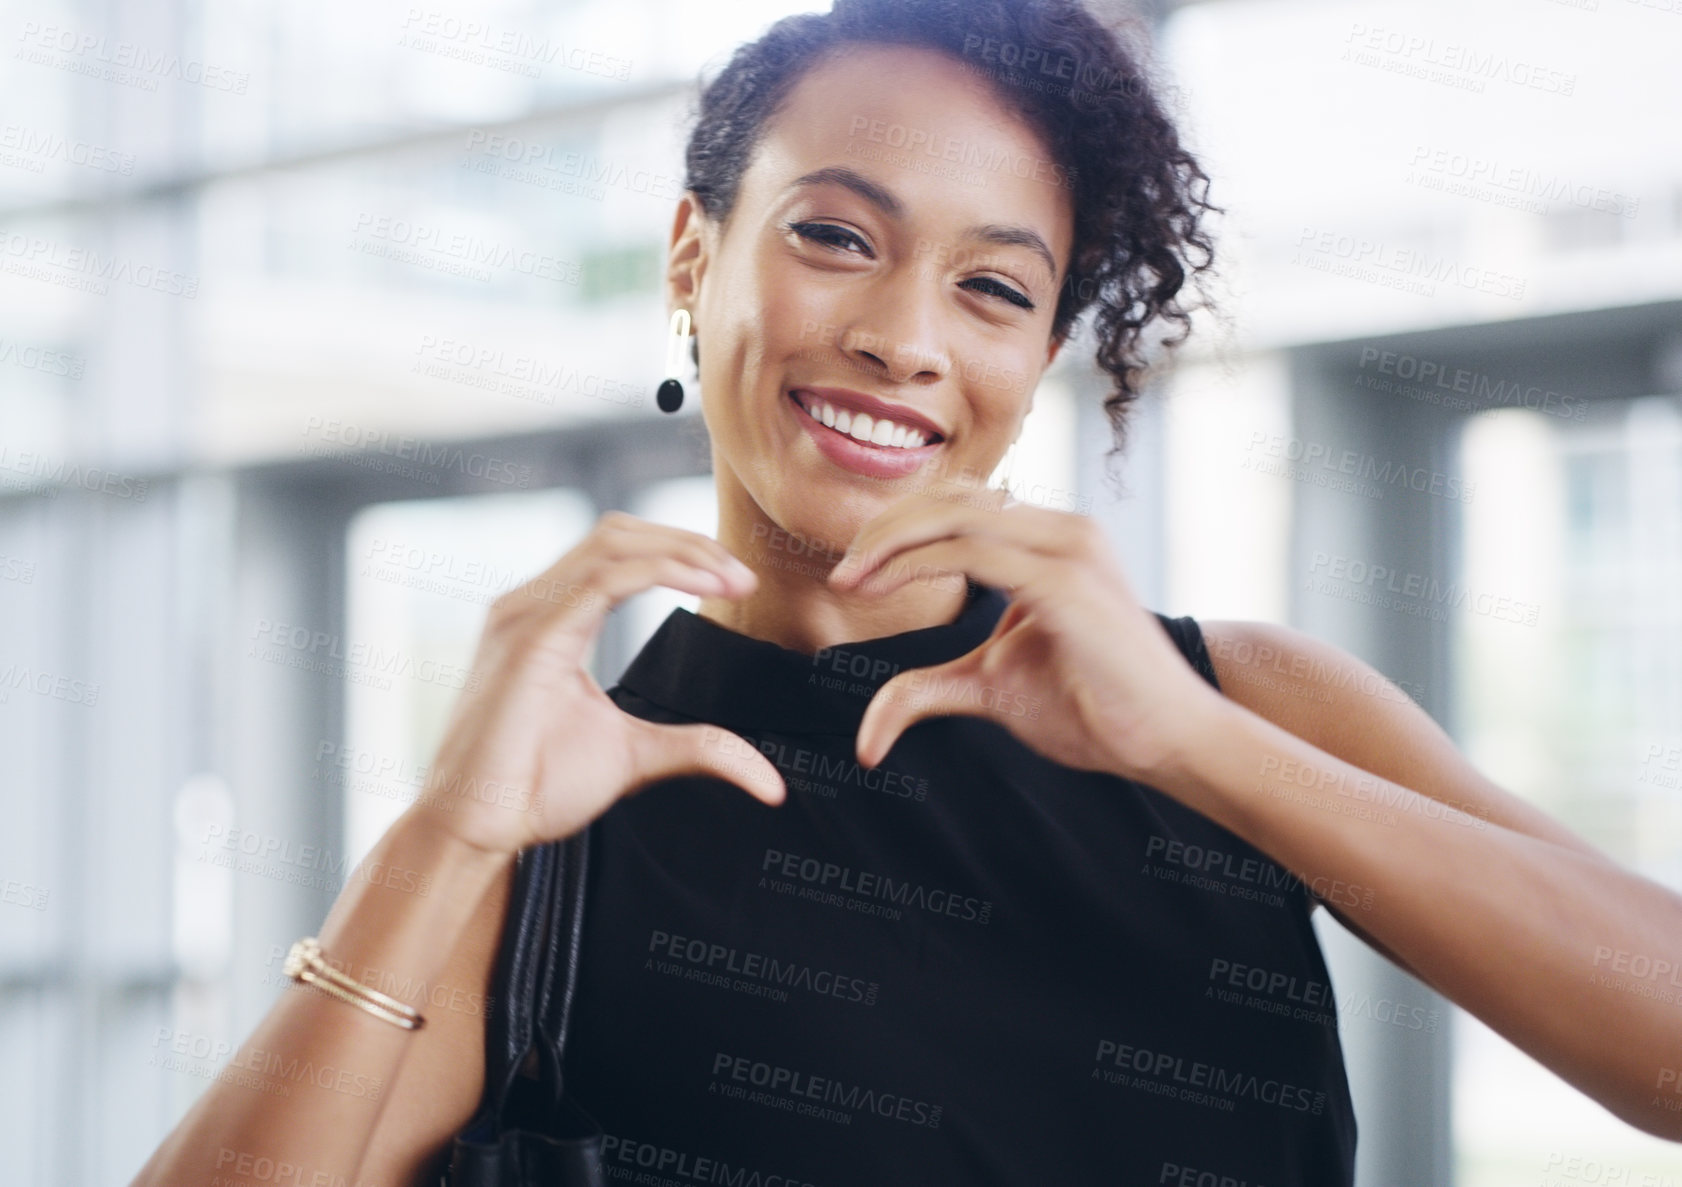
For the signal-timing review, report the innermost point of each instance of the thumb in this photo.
(913, 695)
(668, 751)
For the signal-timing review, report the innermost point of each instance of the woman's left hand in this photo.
(1075, 668)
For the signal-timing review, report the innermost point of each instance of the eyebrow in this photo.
(884, 200)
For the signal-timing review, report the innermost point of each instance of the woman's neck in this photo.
(794, 606)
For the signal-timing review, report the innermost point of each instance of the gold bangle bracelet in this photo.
(305, 964)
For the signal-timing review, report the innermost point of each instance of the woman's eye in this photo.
(842, 239)
(829, 234)
(997, 289)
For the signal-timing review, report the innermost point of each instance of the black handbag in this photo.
(527, 1132)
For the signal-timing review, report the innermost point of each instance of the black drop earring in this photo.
(670, 394)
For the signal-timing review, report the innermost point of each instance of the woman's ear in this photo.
(1052, 349)
(686, 254)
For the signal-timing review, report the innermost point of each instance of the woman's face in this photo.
(896, 250)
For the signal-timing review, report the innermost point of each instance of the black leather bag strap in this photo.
(527, 1132)
(521, 969)
(565, 937)
(1188, 637)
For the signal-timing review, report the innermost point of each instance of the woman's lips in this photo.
(875, 461)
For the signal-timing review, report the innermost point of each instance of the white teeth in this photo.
(861, 426)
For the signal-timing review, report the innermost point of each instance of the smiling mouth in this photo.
(865, 429)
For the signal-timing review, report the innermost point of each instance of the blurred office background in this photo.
(268, 446)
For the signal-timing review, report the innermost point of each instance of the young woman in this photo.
(1020, 889)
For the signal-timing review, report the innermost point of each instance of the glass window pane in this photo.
(420, 577)
(1581, 714)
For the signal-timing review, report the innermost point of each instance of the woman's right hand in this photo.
(535, 750)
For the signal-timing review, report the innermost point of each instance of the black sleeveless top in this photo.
(969, 965)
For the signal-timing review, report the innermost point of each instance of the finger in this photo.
(624, 535)
(618, 580)
(597, 584)
(534, 640)
(1038, 529)
(862, 552)
(668, 751)
(618, 536)
(947, 689)
(943, 563)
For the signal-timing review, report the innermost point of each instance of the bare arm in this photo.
(1346, 707)
(534, 751)
(309, 1084)
(436, 1090)
(1491, 902)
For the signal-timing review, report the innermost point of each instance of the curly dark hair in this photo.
(1139, 196)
